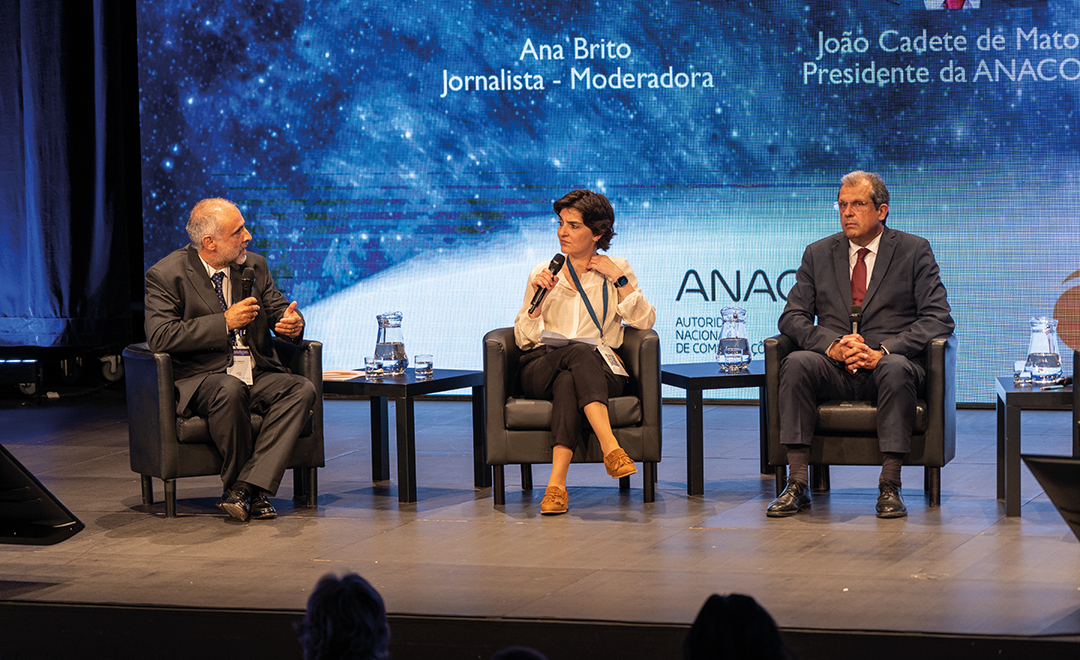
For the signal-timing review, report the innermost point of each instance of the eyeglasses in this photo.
(857, 205)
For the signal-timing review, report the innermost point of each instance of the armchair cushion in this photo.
(859, 417)
(528, 414)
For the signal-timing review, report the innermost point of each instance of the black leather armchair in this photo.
(846, 431)
(168, 446)
(518, 430)
(1076, 404)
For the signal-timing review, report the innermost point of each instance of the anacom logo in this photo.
(693, 286)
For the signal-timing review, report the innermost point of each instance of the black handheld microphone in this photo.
(856, 318)
(555, 266)
(247, 282)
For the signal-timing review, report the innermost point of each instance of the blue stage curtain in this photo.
(64, 273)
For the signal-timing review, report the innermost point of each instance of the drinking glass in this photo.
(373, 368)
(423, 365)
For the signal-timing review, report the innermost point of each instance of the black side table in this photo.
(404, 388)
(696, 377)
(1011, 399)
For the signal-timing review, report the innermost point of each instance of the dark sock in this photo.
(890, 468)
(243, 485)
(798, 457)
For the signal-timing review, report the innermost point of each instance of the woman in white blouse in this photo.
(589, 298)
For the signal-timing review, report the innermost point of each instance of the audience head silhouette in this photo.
(734, 627)
(345, 620)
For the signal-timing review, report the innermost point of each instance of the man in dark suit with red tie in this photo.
(223, 357)
(893, 276)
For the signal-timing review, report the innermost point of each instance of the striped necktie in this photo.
(218, 277)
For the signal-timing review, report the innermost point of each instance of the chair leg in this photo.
(312, 490)
(147, 490)
(781, 479)
(819, 478)
(624, 483)
(526, 476)
(933, 476)
(306, 486)
(170, 498)
(648, 480)
(300, 485)
(498, 484)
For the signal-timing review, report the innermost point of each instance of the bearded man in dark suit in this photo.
(223, 358)
(893, 276)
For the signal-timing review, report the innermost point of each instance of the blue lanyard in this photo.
(585, 298)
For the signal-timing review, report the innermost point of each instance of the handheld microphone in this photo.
(247, 282)
(856, 318)
(555, 266)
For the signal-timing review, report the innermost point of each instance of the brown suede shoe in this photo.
(618, 464)
(556, 500)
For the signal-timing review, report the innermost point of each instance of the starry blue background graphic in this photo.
(327, 122)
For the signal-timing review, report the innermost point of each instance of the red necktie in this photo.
(858, 278)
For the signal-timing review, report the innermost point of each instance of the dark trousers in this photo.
(570, 377)
(284, 401)
(808, 378)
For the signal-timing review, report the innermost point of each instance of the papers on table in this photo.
(341, 374)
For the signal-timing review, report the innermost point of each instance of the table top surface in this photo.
(708, 375)
(406, 384)
(1033, 396)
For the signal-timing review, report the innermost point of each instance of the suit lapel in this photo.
(842, 268)
(198, 277)
(886, 249)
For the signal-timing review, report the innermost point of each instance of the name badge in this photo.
(241, 366)
(613, 360)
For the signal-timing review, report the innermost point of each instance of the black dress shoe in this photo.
(262, 509)
(795, 497)
(237, 504)
(889, 502)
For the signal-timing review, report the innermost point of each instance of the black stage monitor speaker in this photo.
(29, 513)
(1060, 478)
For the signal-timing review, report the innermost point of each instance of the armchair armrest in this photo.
(640, 352)
(1076, 403)
(941, 398)
(151, 404)
(501, 356)
(305, 359)
(776, 349)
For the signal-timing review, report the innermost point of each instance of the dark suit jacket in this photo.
(184, 318)
(904, 308)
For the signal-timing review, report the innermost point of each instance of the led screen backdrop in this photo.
(404, 155)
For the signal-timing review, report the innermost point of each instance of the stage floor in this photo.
(962, 569)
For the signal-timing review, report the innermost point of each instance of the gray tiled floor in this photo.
(961, 568)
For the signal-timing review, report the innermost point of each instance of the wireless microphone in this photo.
(856, 318)
(555, 266)
(247, 282)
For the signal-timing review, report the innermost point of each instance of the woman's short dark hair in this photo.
(595, 210)
(345, 620)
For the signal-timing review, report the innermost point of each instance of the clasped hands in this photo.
(245, 311)
(854, 353)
